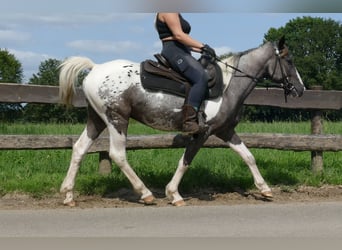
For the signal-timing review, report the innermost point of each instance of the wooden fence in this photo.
(315, 101)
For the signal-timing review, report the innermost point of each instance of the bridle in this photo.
(285, 83)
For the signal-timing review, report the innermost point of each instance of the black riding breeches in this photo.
(181, 60)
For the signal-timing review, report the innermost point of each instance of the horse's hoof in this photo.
(149, 200)
(180, 203)
(70, 204)
(267, 194)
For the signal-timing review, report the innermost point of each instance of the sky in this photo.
(37, 30)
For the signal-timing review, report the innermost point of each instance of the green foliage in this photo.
(11, 72)
(48, 75)
(316, 45)
(10, 68)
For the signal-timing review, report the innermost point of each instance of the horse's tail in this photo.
(68, 76)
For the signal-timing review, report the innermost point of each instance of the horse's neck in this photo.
(250, 62)
(251, 65)
(254, 62)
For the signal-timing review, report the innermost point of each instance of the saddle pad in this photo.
(157, 83)
(156, 77)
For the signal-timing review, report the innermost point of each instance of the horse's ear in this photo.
(281, 43)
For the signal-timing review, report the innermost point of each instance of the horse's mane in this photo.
(240, 54)
(233, 59)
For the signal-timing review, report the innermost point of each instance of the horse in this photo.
(114, 94)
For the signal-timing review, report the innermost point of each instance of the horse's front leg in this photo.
(171, 190)
(239, 147)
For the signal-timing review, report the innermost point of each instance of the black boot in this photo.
(190, 121)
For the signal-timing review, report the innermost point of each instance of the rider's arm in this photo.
(173, 22)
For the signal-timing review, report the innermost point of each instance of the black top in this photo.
(164, 31)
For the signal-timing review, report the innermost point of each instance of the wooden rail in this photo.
(297, 142)
(313, 100)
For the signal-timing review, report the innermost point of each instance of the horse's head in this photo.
(282, 70)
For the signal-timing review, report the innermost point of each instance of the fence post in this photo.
(105, 163)
(316, 129)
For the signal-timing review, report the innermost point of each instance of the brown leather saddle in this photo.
(159, 76)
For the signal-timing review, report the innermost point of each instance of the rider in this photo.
(174, 31)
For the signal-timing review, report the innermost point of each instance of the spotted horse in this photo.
(115, 94)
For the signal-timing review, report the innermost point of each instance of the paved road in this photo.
(268, 220)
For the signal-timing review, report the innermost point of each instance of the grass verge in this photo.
(40, 172)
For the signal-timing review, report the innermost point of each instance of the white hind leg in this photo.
(94, 127)
(117, 153)
(80, 148)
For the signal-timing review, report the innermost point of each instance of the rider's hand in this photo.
(207, 50)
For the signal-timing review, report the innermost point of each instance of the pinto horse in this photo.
(115, 94)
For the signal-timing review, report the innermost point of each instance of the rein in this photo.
(255, 79)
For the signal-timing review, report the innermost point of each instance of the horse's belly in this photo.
(158, 110)
(161, 119)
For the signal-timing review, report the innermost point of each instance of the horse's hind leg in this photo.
(117, 153)
(94, 127)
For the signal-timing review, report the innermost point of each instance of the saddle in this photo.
(159, 76)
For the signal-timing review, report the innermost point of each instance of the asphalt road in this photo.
(268, 220)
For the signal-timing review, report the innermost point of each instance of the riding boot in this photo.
(190, 121)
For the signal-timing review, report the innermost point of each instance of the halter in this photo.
(285, 84)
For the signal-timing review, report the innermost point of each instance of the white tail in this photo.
(68, 76)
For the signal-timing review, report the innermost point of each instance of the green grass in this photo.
(40, 172)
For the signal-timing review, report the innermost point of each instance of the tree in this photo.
(11, 72)
(316, 48)
(10, 68)
(316, 45)
(48, 75)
